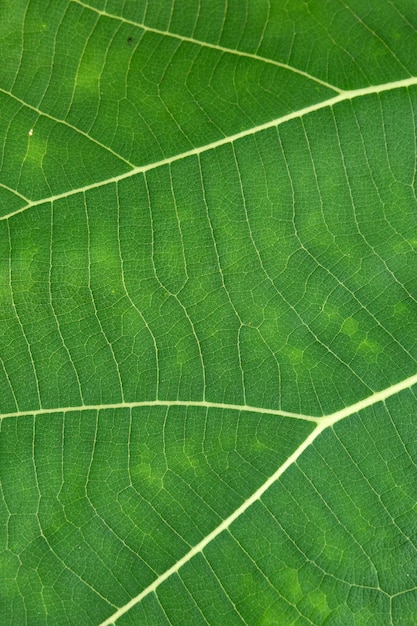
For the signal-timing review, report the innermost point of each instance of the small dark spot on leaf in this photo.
(129, 40)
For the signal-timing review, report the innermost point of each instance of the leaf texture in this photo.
(208, 357)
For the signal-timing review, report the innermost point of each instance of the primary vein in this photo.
(322, 424)
(166, 403)
(347, 95)
(324, 421)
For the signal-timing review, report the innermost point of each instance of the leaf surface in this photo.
(208, 310)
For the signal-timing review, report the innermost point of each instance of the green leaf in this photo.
(208, 302)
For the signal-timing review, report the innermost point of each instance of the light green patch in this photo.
(37, 148)
(103, 255)
(400, 309)
(293, 585)
(350, 327)
(88, 77)
(295, 355)
(332, 312)
(146, 472)
(318, 603)
(259, 446)
(370, 350)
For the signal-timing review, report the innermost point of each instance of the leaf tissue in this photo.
(208, 304)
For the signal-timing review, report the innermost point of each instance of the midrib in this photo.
(342, 97)
(322, 424)
(323, 421)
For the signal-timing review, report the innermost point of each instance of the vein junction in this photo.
(321, 425)
(322, 421)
